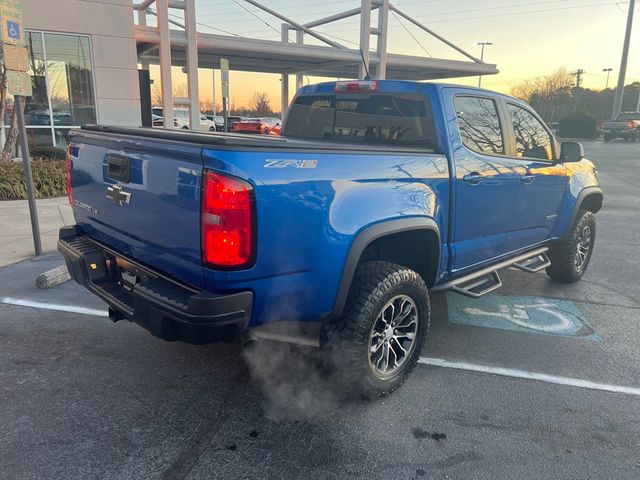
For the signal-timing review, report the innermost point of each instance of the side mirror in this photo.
(571, 152)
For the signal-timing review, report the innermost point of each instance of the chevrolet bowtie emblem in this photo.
(118, 196)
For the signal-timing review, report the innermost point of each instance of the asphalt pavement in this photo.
(82, 397)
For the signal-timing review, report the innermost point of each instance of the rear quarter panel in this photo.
(307, 219)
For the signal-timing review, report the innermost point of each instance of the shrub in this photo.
(49, 178)
(579, 124)
(48, 153)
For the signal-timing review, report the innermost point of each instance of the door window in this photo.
(479, 124)
(532, 138)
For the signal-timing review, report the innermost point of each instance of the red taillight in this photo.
(363, 86)
(630, 124)
(227, 221)
(69, 166)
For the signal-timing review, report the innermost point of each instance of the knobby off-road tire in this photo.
(570, 257)
(387, 303)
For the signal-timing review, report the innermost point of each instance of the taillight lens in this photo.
(69, 166)
(630, 124)
(228, 207)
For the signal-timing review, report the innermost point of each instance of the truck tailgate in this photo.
(141, 197)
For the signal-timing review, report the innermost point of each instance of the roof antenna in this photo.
(364, 64)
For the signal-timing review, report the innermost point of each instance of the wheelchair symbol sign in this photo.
(13, 30)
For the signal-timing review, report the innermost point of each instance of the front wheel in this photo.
(376, 343)
(570, 257)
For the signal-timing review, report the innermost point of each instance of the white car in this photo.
(181, 116)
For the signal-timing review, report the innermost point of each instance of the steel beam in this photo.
(299, 26)
(434, 34)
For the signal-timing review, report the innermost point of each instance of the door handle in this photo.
(528, 178)
(473, 178)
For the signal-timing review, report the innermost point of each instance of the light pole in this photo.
(617, 100)
(482, 44)
(608, 70)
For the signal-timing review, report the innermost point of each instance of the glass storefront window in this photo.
(62, 79)
(70, 79)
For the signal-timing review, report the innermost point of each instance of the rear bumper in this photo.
(165, 308)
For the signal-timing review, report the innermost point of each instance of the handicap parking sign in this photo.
(13, 30)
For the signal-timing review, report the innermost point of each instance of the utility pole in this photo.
(617, 101)
(608, 70)
(578, 73)
(482, 44)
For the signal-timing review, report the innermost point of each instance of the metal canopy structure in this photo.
(165, 47)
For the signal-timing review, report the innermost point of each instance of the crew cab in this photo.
(377, 195)
(626, 125)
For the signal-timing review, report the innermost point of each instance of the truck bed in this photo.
(243, 141)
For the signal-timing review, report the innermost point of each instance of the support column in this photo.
(299, 76)
(192, 63)
(383, 28)
(215, 101)
(365, 37)
(284, 77)
(165, 62)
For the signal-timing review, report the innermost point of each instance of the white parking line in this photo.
(541, 377)
(55, 307)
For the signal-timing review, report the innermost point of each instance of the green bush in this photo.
(49, 178)
(48, 153)
(579, 124)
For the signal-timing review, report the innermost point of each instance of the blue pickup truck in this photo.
(378, 194)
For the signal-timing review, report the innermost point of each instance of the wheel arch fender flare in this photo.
(590, 197)
(375, 232)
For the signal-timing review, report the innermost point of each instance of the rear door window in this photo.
(479, 124)
(403, 120)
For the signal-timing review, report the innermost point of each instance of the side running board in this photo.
(534, 264)
(481, 282)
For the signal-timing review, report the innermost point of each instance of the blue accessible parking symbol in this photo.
(521, 313)
(13, 30)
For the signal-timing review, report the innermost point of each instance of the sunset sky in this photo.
(531, 38)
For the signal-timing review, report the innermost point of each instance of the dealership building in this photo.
(89, 59)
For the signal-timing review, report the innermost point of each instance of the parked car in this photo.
(626, 125)
(158, 121)
(234, 119)
(378, 195)
(218, 122)
(182, 118)
(260, 126)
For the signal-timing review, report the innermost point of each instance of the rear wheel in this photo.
(570, 257)
(376, 343)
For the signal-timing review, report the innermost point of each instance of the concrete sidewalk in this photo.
(16, 240)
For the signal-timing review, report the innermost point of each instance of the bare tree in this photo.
(156, 95)
(260, 105)
(547, 95)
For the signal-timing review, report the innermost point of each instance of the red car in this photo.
(261, 126)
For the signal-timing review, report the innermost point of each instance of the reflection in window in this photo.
(70, 80)
(479, 124)
(532, 140)
(378, 119)
(36, 106)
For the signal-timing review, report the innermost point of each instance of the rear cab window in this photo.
(376, 118)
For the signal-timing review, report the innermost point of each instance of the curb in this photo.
(53, 278)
